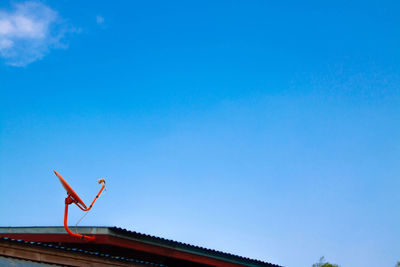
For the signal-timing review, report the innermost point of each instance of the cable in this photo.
(83, 216)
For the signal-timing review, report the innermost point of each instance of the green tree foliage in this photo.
(323, 263)
(397, 264)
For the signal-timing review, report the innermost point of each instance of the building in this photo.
(112, 246)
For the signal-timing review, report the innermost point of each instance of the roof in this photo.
(15, 262)
(74, 250)
(126, 242)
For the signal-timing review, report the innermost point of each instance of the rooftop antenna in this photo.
(74, 198)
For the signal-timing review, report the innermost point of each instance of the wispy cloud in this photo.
(28, 32)
(99, 19)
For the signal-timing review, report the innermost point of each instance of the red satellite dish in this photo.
(73, 198)
(70, 191)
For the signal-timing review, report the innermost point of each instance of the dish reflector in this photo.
(69, 190)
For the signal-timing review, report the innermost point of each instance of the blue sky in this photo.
(268, 130)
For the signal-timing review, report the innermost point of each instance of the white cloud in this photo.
(28, 32)
(99, 19)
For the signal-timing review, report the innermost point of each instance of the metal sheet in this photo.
(5, 261)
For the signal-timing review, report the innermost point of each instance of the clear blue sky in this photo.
(269, 130)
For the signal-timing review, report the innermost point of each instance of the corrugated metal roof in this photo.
(78, 250)
(193, 248)
(142, 238)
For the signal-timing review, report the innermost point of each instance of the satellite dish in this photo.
(70, 191)
(74, 198)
